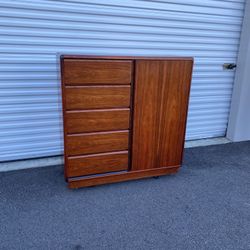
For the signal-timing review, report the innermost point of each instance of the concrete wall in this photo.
(239, 119)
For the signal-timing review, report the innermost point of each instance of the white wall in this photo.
(239, 119)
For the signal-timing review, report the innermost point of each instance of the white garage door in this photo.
(34, 33)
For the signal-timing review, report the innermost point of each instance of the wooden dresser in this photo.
(124, 117)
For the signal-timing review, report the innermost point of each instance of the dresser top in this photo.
(125, 57)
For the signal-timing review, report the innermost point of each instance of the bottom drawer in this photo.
(97, 163)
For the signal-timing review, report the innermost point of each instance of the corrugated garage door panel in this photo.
(34, 33)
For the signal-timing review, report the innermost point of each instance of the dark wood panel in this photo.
(80, 72)
(116, 177)
(97, 120)
(91, 143)
(97, 97)
(160, 109)
(97, 163)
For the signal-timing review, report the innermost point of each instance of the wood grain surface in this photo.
(81, 72)
(94, 97)
(160, 109)
(120, 176)
(97, 120)
(98, 142)
(97, 163)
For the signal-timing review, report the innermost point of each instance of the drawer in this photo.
(101, 142)
(81, 72)
(97, 163)
(96, 120)
(97, 97)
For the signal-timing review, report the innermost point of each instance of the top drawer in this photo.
(85, 72)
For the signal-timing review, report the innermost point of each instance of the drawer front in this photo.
(96, 120)
(91, 143)
(97, 97)
(81, 72)
(98, 163)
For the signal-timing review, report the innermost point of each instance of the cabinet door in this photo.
(160, 110)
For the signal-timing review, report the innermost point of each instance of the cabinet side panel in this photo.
(64, 111)
(160, 110)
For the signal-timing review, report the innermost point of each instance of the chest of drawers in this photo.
(124, 117)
